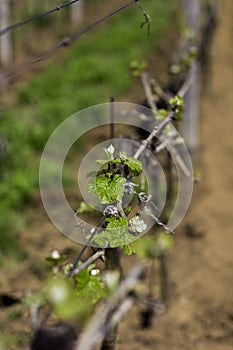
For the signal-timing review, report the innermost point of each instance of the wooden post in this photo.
(5, 40)
(77, 12)
(190, 124)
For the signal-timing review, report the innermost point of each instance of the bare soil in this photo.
(200, 313)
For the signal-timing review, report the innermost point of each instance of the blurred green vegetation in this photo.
(89, 72)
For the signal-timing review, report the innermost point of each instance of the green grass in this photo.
(97, 65)
(89, 72)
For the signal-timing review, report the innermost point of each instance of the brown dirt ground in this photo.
(200, 311)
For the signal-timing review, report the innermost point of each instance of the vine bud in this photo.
(110, 211)
(143, 197)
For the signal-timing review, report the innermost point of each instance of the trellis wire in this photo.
(35, 17)
(63, 43)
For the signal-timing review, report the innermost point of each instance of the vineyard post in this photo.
(5, 40)
(163, 269)
(77, 12)
(190, 124)
(164, 278)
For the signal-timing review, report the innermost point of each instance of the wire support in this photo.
(61, 44)
(35, 17)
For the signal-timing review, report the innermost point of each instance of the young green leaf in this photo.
(161, 114)
(89, 287)
(127, 210)
(118, 229)
(128, 249)
(92, 186)
(123, 155)
(102, 238)
(103, 161)
(109, 190)
(177, 103)
(116, 233)
(118, 222)
(134, 165)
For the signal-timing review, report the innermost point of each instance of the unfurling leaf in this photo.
(177, 104)
(137, 225)
(109, 151)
